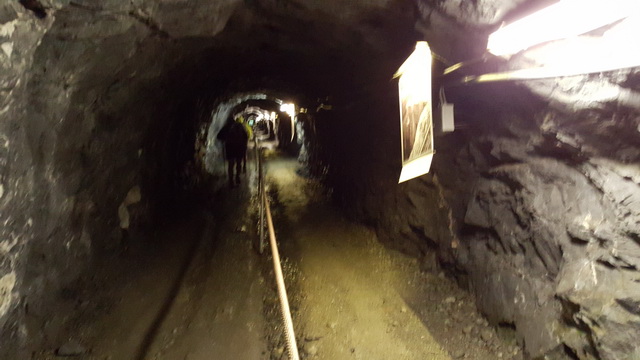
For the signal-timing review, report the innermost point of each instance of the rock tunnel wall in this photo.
(89, 142)
(533, 205)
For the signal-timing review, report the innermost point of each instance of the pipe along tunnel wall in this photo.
(532, 204)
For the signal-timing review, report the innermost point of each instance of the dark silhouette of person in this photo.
(249, 131)
(235, 137)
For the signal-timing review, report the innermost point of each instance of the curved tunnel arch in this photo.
(238, 105)
(116, 102)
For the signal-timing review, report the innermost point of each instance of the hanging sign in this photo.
(416, 118)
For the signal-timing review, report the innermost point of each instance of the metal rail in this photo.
(292, 347)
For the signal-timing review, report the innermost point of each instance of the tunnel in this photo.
(122, 238)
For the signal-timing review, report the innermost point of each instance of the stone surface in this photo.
(71, 348)
(536, 214)
(533, 203)
(526, 203)
(74, 119)
(533, 207)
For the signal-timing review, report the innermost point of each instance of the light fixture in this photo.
(614, 49)
(565, 19)
(289, 109)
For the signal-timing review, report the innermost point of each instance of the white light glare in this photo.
(416, 88)
(289, 109)
(568, 18)
(613, 50)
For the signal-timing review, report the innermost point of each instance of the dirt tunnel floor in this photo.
(197, 289)
(355, 299)
(191, 290)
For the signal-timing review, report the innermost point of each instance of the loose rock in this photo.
(71, 348)
(277, 352)
(486, 335)
(311, 349)
(458, 354)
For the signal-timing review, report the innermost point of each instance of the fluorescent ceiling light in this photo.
(565, 19)
(615, 49)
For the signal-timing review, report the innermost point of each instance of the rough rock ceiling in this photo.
(456, 29)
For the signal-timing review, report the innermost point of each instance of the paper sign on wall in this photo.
(416, 116)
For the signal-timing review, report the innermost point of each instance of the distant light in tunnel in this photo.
(289, 109)
(568, 18)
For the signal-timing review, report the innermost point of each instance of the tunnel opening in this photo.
(272, 121)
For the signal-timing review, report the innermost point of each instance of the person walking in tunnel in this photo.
(249, 131)
(235, 137)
